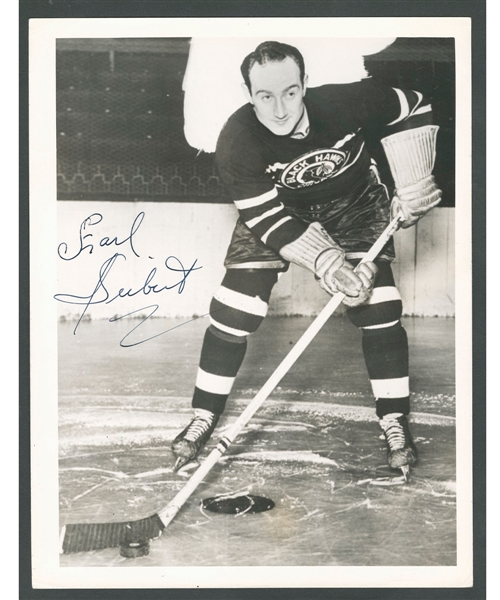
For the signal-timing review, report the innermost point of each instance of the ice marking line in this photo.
(286, 455)
(92, 489)
(154, 472)
(118, 474)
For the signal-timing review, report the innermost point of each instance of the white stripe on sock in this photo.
(384, 294)
(381, 326)
(249, 304)
(230, 330)
(216, 384)
(391, 388)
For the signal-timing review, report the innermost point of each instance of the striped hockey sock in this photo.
(385, 344)
(221, 358)
(237, 309)
(386, 357)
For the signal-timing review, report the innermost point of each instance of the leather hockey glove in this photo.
(357, 286)
(415, 200)
(411, 155)
(317, 251)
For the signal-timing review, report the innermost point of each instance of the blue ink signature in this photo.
(154, 308)
(101, 295)
(95, 219)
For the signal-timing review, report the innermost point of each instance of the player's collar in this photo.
(301, 128)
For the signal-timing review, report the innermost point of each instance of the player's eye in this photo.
(292, 94)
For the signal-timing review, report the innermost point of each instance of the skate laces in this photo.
(394, 431)
(201, 423)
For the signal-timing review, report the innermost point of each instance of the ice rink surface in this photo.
(314, 448)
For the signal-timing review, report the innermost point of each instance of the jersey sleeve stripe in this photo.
(257, 201)
(405, 107)
(420, 97)
(274, 227)
(252, 222)
(422, 110)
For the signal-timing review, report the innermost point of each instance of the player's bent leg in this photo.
(385, 348)
(237, 309)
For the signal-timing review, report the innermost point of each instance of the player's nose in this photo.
(279, 109)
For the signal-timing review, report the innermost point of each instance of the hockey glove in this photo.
(357, 286)
(312, 244)
(415, 200)
(411, 155)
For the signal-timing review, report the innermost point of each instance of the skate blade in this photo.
(406, 473)
(181, 462)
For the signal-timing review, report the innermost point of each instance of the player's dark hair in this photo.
(271, 52)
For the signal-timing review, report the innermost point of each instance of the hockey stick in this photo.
(94, 536)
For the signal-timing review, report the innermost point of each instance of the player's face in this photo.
(277, 94)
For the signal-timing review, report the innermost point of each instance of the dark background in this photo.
(120, 117)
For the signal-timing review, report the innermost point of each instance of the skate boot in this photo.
(402, 453)
(191, 440)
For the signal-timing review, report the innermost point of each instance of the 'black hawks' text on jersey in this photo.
(266, 174)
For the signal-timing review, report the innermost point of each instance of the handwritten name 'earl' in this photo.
(87, 238)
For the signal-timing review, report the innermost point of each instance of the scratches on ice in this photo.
(284, 456)
(154, 472)
(366, 503)
(271, 424)
(118, 474)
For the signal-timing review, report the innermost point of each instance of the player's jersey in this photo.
(266, 173)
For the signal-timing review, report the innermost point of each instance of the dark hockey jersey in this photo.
(266, 173)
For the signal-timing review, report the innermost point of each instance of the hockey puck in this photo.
(237, 505)
(134, 549)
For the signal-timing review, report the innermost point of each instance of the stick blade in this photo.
(83, 537)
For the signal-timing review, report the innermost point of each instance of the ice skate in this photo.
(402, 453)
(191, 440)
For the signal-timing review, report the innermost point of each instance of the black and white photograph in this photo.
(251, 343)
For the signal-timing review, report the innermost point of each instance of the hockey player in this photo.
(296, 166)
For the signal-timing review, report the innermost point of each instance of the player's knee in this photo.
(384, 309)
(225, 336)
(236, 314)
(240, 304)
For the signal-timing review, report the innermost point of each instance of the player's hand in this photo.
(336, 276)
(366, 272)
(415, 200)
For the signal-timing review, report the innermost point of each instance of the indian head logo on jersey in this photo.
(310, 169)
(319, 165)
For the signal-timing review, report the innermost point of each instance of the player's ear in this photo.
(304, 85)
(247, 93)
